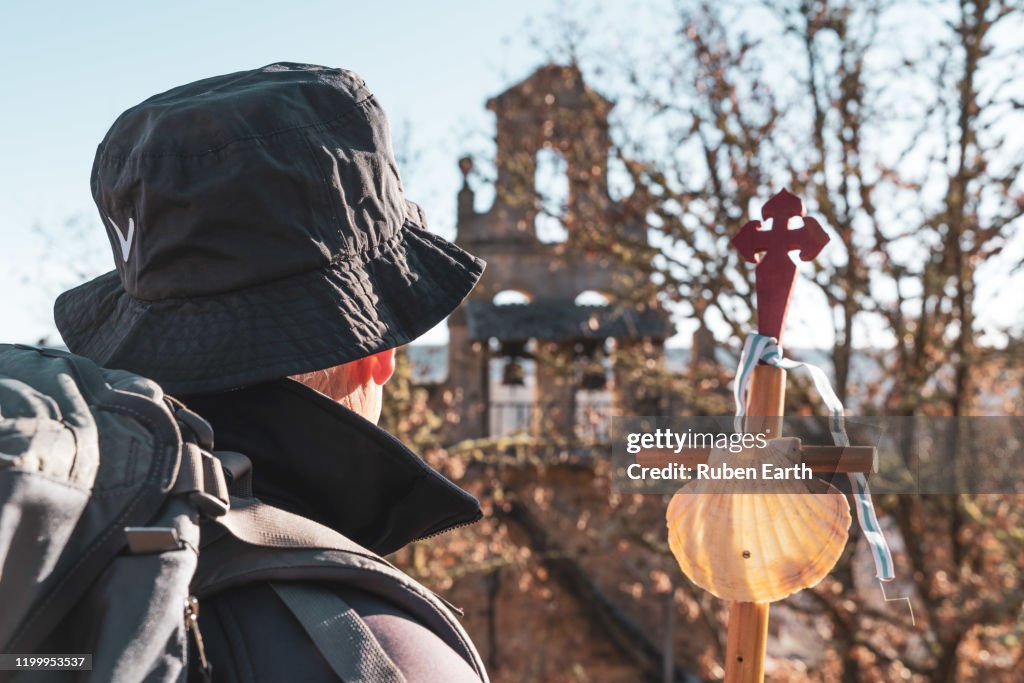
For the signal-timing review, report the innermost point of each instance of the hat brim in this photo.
(305, 322)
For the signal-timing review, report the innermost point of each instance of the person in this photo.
(268, 266)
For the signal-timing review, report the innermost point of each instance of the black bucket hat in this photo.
(260, 230)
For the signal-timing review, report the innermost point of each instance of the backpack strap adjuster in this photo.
(201, 478)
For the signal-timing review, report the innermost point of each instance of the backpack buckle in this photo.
(208, 504)
(201, 478)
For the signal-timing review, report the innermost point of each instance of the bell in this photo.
(594, 377)
(513, 374)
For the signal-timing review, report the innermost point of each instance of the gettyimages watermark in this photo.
(899, 455)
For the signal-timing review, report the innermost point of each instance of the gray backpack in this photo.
(105, 486)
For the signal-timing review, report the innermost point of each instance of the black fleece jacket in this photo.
(316, 458)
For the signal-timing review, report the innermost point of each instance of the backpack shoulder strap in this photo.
(257, 542)
(342, 637)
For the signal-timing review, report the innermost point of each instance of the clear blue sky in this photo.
(67, 69)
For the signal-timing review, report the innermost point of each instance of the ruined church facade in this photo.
(575, 348)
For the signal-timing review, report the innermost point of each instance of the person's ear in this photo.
(353, 374)
(383, 366)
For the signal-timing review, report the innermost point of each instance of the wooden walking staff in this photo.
(775, 274)
(693, 524)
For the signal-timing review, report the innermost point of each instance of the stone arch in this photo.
(551, 184)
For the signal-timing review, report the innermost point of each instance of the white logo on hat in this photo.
(126, 242)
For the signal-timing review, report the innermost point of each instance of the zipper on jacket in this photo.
(450, 528)
(192, 624)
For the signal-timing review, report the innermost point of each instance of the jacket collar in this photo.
(314, 457)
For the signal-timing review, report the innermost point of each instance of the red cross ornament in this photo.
(769, 248)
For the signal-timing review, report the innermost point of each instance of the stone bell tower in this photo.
(550, 113)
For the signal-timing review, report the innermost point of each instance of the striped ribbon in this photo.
(761, 348)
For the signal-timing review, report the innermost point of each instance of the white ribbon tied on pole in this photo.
(762, 348)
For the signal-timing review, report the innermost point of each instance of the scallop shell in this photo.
(757, 546)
